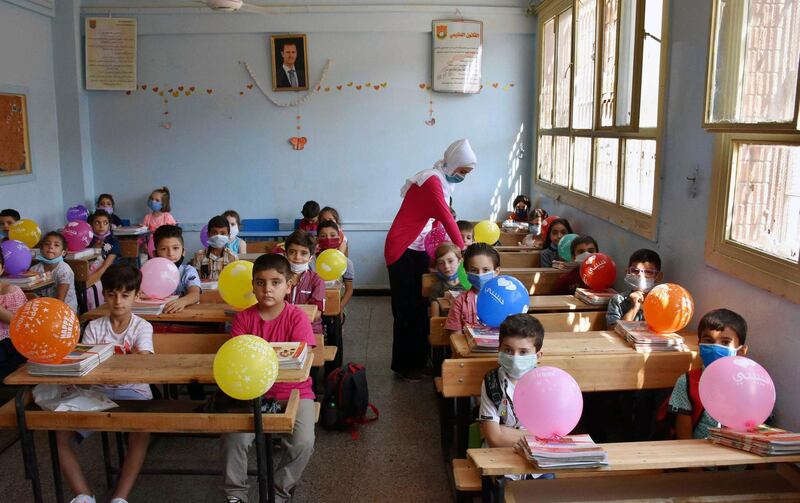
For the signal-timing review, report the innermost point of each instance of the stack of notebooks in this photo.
(28, 278)
(483, 339)
(82, 360)
(644, 340)
(130, 230)
(151, 307)
(291, 355)
(206, 285)
(572, 451)
(595, 297)
(764, 441)
(86, 253)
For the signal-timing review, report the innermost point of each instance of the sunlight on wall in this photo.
(513, 185)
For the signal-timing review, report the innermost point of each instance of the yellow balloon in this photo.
(26, 231)
(245, 367)
(331, 264)
(236, 284)
(486, 232)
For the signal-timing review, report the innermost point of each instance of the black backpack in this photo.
(346, 399)
(495, 391)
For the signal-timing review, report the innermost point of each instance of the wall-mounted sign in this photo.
(110, 54)
(457, 51)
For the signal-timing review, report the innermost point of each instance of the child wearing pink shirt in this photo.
(159, 215)
(482, 263)
(274, 320)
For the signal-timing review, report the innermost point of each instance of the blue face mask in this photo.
(710, 353)
(154, 205)
(454, 178)
(49, 261)
(522, 213)
(445, 277)
(478, 280)
(517, 366)
(2, 235)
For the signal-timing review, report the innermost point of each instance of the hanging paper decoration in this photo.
(298, 142)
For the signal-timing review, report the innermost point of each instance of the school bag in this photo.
(346, 399)
(491, 382)
(665, 420)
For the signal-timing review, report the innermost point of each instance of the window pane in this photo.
(609, 62)
(561, 170)
(547, 66)
(581, 161)
(585, 42)
(651, 64)
(627, 41)
(754, 73)
(563, 67)
(764, 210)
(640, 168)
(605, 169)
(544, 158)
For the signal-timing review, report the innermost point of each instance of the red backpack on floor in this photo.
(346, 399)
(665, 420)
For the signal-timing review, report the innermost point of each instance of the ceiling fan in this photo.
(234, 6)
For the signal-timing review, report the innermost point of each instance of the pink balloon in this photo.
(434, 238)
(204, 236)
(737, 392)
(548, 402)
(78, 235)
(160, 278)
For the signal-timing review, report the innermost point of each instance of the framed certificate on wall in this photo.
(457, 52)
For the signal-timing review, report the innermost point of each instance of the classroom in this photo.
(503, 250)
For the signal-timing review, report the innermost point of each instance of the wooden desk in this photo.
(520, 258)
(80, 269)
(33, 289)
(538, 280)
(196, 313)
(516, 248)
(542, 304)
(512, 238)
(129, 244)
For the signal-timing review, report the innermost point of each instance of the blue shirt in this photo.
(234, 245)
(547, 256)
(618, 306)
(110, 246)
(189, 278)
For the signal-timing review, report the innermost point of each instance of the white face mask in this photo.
(582, 257)
(218, 241)
(234, 231)
(517, 366)
(299, 268)
(640, 282)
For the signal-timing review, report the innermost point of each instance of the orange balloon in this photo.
(44, 330)
(668, 308)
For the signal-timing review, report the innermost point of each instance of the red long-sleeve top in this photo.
(421, 203)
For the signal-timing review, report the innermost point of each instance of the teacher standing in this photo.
(426, 198)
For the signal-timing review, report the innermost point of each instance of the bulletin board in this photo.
(15, 156)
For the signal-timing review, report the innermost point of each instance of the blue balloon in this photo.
(501, 297)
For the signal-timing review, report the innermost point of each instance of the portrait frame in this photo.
(280, 81)
(15, 151)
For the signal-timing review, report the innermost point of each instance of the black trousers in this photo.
(410, 346)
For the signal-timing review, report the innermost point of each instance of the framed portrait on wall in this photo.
(15, 154)
(289, 62)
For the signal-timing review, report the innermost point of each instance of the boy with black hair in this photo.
(129, 334)
(721, 333)
(643, 273)
(274, 320)
(306, 287)
(467, 229)
(8, 217)
(310, 214)
(168, 240)
(213, 259)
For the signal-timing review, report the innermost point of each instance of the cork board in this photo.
(15, 157)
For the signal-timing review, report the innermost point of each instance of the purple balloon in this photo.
(17, 256)
(204, 235)
(77, 212)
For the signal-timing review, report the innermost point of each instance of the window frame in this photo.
(758, 268)
(729, 127)
(640, 223)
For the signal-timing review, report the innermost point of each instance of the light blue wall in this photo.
(26, 65)
(774, 336)
(225, 150)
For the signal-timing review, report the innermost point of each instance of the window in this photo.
(752, 102)
(600, 103)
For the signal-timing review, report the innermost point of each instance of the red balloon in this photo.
(599, 271)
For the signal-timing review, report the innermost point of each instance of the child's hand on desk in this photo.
(637, 298)
(174, 306)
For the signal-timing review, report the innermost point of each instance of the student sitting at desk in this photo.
(110, 253)
(130, 334)
(330, 214)
(105, 202)
(160, 207)
(329, 238)
(466, 229)
(235, 244)
(306, 287)
(580, 249)
(213, 259)
(446, 260)
(274, 320)
(310, 219)
(11, 298)
(537, 229)
(8, 217)
(521, 338)
(169, 244)
(557, 230)
(51, 259)
(721, 333)
(643, 273)
(482, 263)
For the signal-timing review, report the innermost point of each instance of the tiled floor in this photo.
(396, 458)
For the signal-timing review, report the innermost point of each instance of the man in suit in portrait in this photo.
(289, 74)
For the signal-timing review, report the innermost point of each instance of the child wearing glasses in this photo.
(643, 273)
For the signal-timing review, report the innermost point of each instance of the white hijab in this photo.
(458, 155)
